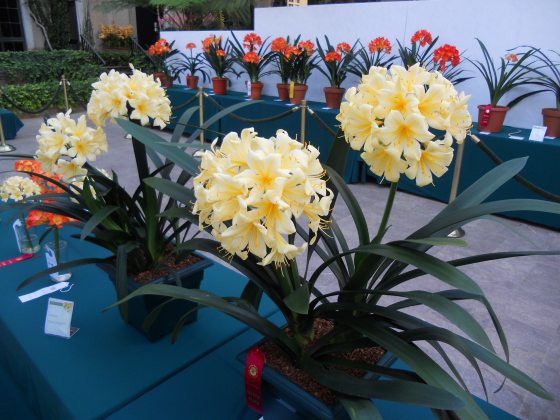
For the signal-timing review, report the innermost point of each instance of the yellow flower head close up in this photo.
(17, 188)
(391, 117)
(251, 189)
(138, 97)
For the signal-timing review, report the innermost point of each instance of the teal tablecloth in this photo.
(107, 364)
(317, 135)
(10, 123)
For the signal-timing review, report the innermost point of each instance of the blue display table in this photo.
(10, 123)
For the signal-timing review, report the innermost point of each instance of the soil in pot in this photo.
(551, 119)
(283, 91)
(333, 97)
(491, 118)
(279, 361)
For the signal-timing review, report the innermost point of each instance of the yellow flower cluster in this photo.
(115, 31)
(389, 116)
(116, 93)
(251, 189)
(65, 145)
(17, 188)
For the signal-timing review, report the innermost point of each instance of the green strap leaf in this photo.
(360, 408)
(96, 219)
(298, 300)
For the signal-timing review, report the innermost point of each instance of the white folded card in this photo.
(59, 317)
(43, 291)
(537, 133)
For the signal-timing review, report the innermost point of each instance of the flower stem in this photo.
(386, 213)
(56, 240)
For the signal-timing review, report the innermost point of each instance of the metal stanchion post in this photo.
(65, 90)
(303, 114)
(459, 232)
(201, 112)
(3, 146)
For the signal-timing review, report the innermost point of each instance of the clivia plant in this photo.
(283, 58)
(192, 64)
(254, 55)
(376, 55)
(268, 201)
(218, 55)
(336, 61)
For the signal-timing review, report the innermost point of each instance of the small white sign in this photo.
(537, 133)
(43, 291)
(484, 132)
(59, 317)
(50, 257)
(249, 88)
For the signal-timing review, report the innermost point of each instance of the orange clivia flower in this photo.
(291, 50)
(279, 45)
(160, 47)
(190, 45)
(446, 53)
(251, 57)
(332, 56)
(422, 36)
(220, 53)
(251, 41)
(343, 47)
(36, 218)
(308, 46)
(206, 42)
(512, 57)
(380, 44)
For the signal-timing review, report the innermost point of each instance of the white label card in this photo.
(537, 133)
(59, 317)
(44, 291)
(249, 88)
(51, 262)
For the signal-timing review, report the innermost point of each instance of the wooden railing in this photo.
(86, 45)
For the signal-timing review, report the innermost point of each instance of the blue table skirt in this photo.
(315, 134)
(10, 123)
(107, 364)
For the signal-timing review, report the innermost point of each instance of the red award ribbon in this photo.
(15, 260)
(253, 372)
(486, 116)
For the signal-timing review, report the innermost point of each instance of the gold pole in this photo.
(201, 112)
(459, 232)
(63, 81)
(3, 146)
(303, 113)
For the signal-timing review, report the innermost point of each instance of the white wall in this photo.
(500, 24)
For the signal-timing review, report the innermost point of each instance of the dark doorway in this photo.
(73, 25)
(11, 29)
(146, 26)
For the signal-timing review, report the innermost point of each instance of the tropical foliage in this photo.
(192, 64)
(218, 55)
(336, 61)
(547, 72)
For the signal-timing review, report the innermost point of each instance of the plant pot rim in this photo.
(551, 111)
(494, 108)
(219, 78)
(204, 263)
(333, 89)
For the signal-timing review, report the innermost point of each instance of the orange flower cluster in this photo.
(160, 47)
(343, 47)
(251, 41)
(190, 45)
(279, 45)
(35, 167)
(209, 40)
(308, 46)
(446, 53)
(220, 53)
(422, 36)
(332, 56)
(251, 57)
(39, 217)
(512, 57)
(380, 44)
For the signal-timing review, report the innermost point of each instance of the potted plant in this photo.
(253, 56)
(135, 227)
(550, 80)
(219, 59)
(336, 62)
(267, 201)
(191, 65)
(514, 71)
(424, 52)
(303, 63)
(159, 52)
(281, 48)
(376, 55)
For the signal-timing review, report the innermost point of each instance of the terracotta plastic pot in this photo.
(551, 119)
(299, 93)
(256, 90)
(491, 118)
(192, 82)
(333, 96)
(164, 79)
(219, 84)
(283, 91)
